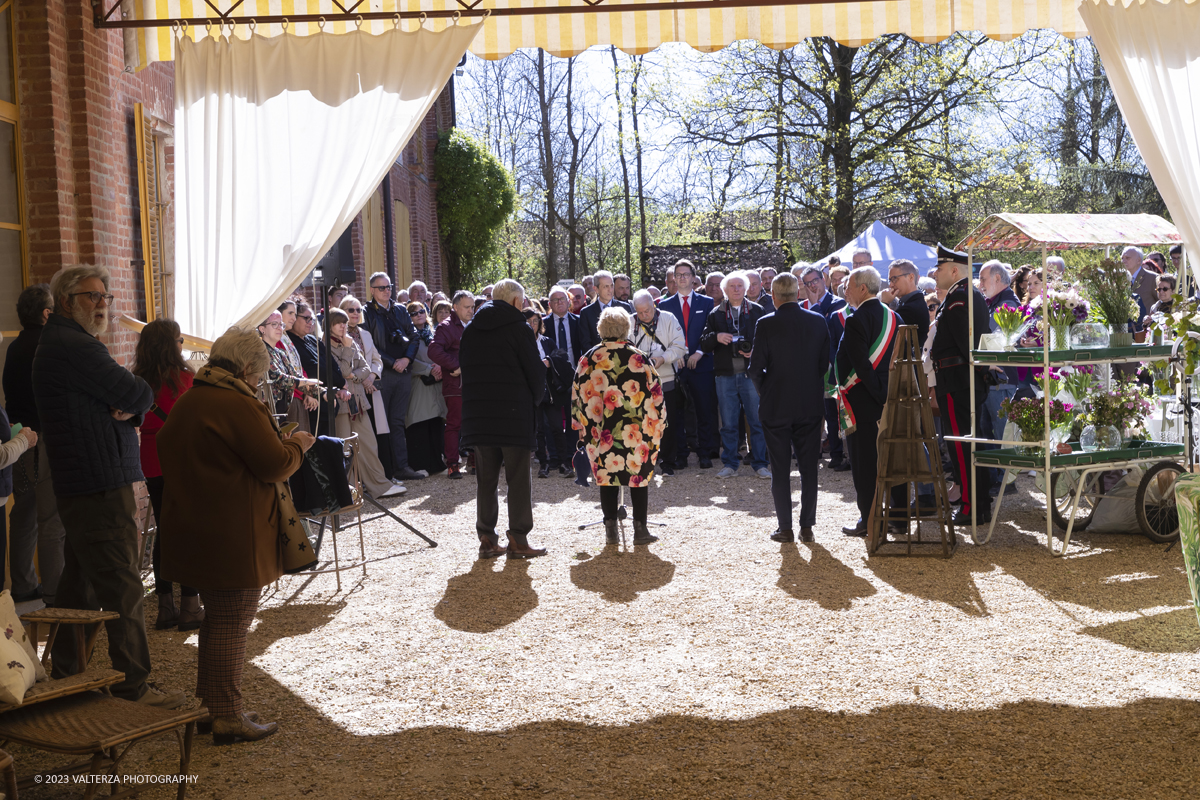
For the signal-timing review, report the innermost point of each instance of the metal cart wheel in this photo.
(1156, 512)
(1065, 484)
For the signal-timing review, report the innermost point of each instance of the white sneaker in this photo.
(763, 472)
(726, 472)
(395, 490)
(159, 699)
(423, 473)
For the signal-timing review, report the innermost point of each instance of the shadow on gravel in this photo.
(486, 599)
(619, 577)
(1172, 632)
(950, 581)
(820, 578)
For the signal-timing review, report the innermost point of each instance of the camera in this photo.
(740, 345)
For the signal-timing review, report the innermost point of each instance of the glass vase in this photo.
(1060, 337)
(1087, 439)
(1108, 438)
(1119, 336)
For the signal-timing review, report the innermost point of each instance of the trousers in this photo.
(453, 427)
(515, 461)
(394, 390)
(221, 657)
(35, 523)
(101, 571)
(956, 409)
(701, 387)
(736, 395)
(802, 437)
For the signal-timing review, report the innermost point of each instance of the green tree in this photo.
(475, 198)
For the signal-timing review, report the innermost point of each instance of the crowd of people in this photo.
(752, 368)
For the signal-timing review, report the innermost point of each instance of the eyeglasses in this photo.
(95, 297)
(179, 340)
(267, 325)
(305, 317)
(894, 278)
(814, 282)
(383, 287)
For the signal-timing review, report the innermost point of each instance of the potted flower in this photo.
(1107, 288)
(1029, 415)
(1078, 382)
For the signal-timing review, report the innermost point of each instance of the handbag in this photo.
(298, 553)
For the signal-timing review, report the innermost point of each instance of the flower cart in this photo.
(1075, 477)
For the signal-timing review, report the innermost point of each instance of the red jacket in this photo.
(152, 424)
(444, 352)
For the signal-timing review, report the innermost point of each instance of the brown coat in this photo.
(220, 460)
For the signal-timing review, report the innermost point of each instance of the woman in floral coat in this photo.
(618, 400)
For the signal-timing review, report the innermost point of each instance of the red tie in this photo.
(686, 314)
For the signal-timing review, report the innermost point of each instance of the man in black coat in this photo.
(788, 366)
(91, 408)
(951, 356)
(910, 301)
(503, 380)
(823, 302)
(863, 359)
(565, 333)
(589, 317)
(395, 338)
(312, 357)
(34, 521)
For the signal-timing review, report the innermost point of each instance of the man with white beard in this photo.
(91, 408)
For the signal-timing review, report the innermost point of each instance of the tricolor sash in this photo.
(879, 347)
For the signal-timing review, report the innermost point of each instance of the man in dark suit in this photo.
(950, 353)
(589, 318)
(788, 366)
(910, 301)
(862, 363)
(695, 371)
(757, 293)
(824, 302)
(565, 333)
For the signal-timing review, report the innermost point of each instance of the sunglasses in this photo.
(353, 310)
(383, 287)
(1164, 288)
(306, 318)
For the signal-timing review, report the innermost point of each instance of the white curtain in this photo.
(1151, 55)
(278, 144)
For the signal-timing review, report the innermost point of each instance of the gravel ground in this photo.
(714, 663)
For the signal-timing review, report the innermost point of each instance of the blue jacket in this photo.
(75, 383)
(699, 308)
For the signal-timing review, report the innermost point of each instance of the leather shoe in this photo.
(706, 463)
(227, 730)
(897, 529)
(964, 517)
(806, 534)
(841, 466)
(518, 547)
(858, 529)
(665, 469)
(204, 724)
(783, 536)
(489, 546)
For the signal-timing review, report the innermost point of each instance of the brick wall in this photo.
(79, 149)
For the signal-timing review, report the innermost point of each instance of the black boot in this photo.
(610, 532)
(641, 534)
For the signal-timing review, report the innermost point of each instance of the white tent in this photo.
(886, 246)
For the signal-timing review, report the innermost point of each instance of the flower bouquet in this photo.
(1029, 415)
(1107, 287)
(1012, 322)
(1122, 408)
(1062, 309)
(1048, 383)
(1078, 382)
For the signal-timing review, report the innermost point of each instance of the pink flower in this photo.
(635, 480)
(631, 435)
(605, 440)
(613, 399)
(614, 462)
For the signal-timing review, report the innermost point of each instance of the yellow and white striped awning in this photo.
(542, 23)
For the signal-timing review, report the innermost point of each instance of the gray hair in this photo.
(785, 288)
(798, 268)
(507, 290)
(736, 275)
(905, 266)
(865, 276)
(243, 349)
(375, 275)
(927, 284)
(415, 284)
(1057, 261)
(642, 297)
(461, 293)
(602, 274)
(614, 324)
(559, 290)
(861, 251)
(1132, 249)
(67, 280)
(997, 268)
